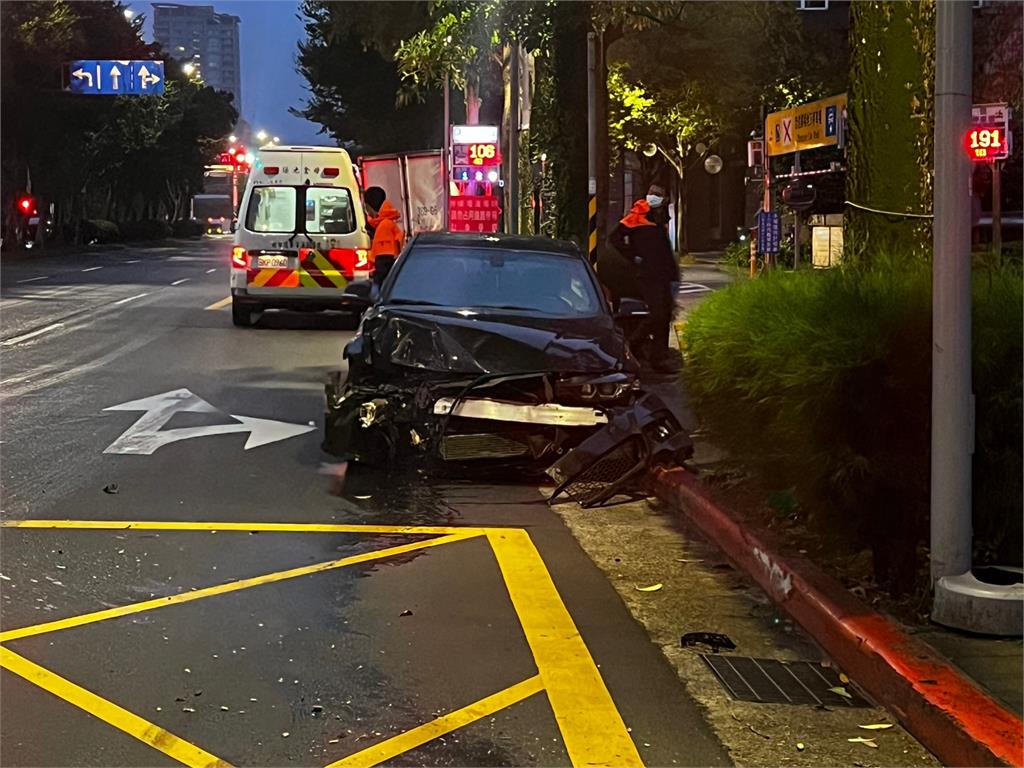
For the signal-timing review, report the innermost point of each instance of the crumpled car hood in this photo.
(444, 341)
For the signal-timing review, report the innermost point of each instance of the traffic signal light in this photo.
(26, 205)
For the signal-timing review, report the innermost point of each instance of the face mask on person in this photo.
(655, 201)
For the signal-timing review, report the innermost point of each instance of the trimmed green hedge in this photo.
(821, 381)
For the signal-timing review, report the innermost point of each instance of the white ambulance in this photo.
(301, 241)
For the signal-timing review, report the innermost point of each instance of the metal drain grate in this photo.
(770, 681)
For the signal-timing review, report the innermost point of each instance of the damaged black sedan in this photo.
(482, 347)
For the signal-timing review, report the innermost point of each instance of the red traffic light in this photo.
(26, 205)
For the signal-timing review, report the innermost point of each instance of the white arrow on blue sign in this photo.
(107, 77)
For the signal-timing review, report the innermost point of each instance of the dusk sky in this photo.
(270, 31)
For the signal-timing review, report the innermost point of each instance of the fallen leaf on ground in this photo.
(843, 678)
(652, 588)
(865, 742)
(800, 746)
(876, 726)
(840, 691)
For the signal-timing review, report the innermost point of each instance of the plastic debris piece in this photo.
(865, 742)
(800, 747)
(285, 734)
(111, 488)
(188, 671)
(651, 588)
(716, 641)
(841, 691)
(253, 699)
(187, 709)
(876, 726)
(406, 612)
(223, 709)
(363, 498)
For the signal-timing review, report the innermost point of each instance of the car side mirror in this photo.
(361, 288)
(632, 309)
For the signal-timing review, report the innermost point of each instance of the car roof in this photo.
(534, 243)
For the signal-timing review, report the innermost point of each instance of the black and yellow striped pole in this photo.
(591, 147)
(592, 229)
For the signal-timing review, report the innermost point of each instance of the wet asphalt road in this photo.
(247, 662)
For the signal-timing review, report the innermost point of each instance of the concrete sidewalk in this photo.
(949, 712)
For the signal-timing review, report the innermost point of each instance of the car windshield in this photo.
(544, 283)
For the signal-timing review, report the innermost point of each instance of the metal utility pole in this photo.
(446, 154)
(592, 146)
(512, 218)
(952, 401)
(997, 209)
(796, 218)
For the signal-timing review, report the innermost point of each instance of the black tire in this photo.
(241, 314)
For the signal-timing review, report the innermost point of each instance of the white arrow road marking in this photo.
(692, 288)
(146, 435)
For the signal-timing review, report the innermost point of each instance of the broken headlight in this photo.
(610, 388)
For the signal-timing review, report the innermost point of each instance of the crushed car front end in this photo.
(459, 386)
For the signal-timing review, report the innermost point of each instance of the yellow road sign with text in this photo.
(809, 126)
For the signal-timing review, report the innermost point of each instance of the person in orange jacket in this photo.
(388, 237)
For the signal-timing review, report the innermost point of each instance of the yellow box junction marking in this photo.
(590, 724)
(97, 706)
(417, 737)
(221, 589)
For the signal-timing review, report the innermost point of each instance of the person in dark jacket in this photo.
(640, 239)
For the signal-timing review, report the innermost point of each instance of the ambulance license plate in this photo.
(272, 262)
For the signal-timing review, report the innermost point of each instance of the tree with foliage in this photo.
(697, 73)
(891, 119)
(348, 61)
(99, 157)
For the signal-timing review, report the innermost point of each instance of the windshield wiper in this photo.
(512, 307)
(413, 302)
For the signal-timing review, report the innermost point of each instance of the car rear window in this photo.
(329, 211)
(492, 278)
(271, 209)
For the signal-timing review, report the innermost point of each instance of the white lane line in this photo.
(183, 280)
(130, 298)
(33, 279)
(32, 335)
(91, 269)
(132, 261)
(211, 271)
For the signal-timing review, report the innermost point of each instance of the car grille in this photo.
(481, 446)
(620, 463)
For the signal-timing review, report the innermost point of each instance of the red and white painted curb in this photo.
(945, 710)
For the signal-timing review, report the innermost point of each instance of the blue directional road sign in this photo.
(769, 231)
(116, 78)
